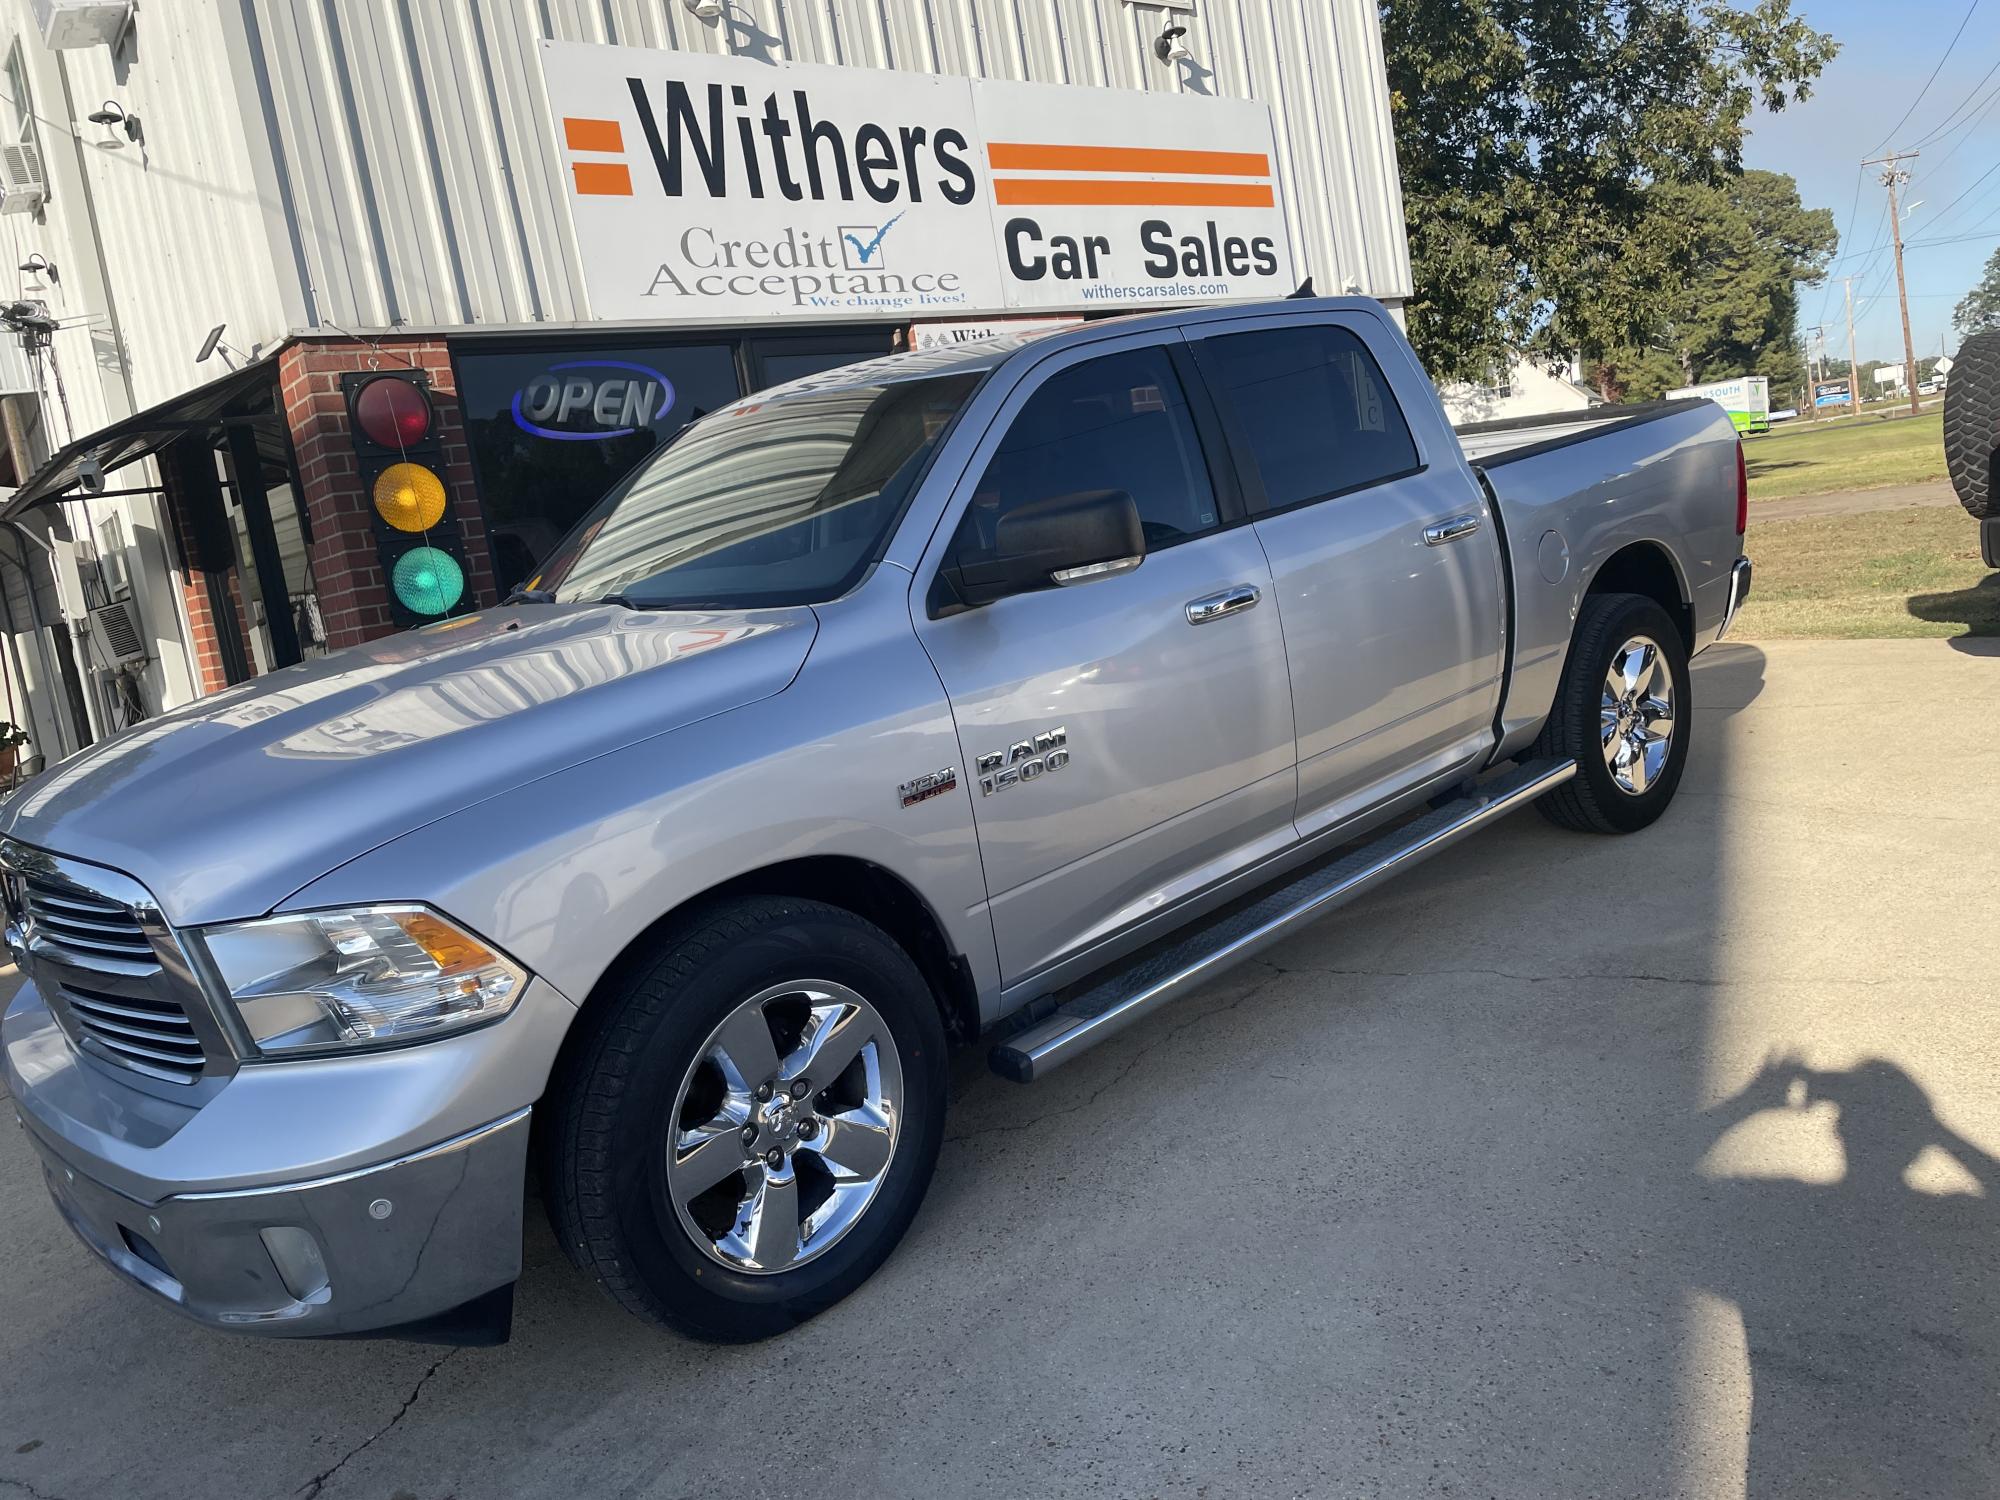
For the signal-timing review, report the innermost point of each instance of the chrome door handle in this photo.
(1450, 531)
(1228, 602)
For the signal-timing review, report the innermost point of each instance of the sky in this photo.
(1888, 50)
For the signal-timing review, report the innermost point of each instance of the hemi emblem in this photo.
(930, 784)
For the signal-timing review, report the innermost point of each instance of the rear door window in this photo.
(1313, 411)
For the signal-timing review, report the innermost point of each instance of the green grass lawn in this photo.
(1855, 453)
(1888, 573)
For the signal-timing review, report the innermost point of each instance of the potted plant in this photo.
(12, 738)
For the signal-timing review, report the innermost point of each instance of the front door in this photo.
(1387, 564)
(1122, 755)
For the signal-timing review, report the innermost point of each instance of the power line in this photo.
(1928, 81)
(1969, 93)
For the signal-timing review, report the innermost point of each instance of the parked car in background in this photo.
(1007, 691)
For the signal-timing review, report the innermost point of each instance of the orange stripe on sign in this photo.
(1020, 156)
(1057, 190)
(609, 178)
(593, 135)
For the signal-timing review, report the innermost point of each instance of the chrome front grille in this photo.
(107, 963)
(86, 925)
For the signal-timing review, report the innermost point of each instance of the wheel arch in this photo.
(1648, 568)
(868, 890)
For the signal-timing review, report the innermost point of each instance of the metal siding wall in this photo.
(428, 190)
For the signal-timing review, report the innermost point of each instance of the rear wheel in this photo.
(751, 1125)
(1623, 713)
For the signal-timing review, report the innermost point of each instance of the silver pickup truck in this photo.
(1004, 693)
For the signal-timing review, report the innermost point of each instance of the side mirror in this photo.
(1059, 539)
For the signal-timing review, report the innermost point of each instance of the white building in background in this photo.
(232, 211)
(1527, 389)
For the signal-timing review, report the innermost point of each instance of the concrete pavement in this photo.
(1644, 1167)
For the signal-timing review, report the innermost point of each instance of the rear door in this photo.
(1385, 557)
(1122, 755)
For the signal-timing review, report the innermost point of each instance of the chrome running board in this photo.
(1163, 975)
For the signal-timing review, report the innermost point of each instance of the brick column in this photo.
(353, 595)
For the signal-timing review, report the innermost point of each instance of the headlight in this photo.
(322, 981)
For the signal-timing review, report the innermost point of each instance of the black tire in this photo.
(1972, 425)
(1591, 801)
(604, 1153)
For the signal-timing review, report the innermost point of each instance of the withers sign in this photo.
(717, 186)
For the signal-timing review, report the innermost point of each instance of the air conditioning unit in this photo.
(69, 24)
(117, 630)
(23, 188)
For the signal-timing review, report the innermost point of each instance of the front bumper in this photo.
(340, 1255)
(327, 1197)
(1739, 591)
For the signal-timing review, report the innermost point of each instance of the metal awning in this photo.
(142, 434)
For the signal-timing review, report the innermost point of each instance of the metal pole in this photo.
(1894, 177)
(1853, 364)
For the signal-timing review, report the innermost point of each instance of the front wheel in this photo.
(1624, 713)
(750, 1125)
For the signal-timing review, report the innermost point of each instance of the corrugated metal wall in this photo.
(417, 182)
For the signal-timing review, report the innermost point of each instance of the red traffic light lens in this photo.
(392, 413)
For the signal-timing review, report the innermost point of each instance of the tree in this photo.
(1980, 311)
(1735, 310)
(1536, 138)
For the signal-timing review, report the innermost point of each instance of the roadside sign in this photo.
(714, 186)
(1832, 393)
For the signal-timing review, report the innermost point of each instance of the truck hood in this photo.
(226, 806)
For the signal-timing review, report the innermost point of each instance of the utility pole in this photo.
(1894, 177)
(1853, 364)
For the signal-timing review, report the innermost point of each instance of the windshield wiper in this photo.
(522, 594)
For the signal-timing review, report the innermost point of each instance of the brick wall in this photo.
(353, 594)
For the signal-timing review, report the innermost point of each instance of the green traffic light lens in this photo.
(428, 581)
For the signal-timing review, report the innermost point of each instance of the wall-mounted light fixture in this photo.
(113, 114)
(705, 10)
(39, 264)
(1170, 46)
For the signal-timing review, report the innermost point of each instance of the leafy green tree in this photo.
(1537, 138)
(1980, 311)
(1735, 309)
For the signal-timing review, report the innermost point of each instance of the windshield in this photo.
(763, 503)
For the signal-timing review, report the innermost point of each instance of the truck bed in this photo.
(1489, 444)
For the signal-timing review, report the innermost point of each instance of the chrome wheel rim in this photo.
(1636, 715)
(784, 1126)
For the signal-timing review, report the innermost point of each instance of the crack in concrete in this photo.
(27, 1489)
(311, 1489)
(1012, 1127)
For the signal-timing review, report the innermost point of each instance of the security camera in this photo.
(90, 475)
(1170, 46)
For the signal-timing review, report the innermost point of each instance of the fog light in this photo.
(300, 1265)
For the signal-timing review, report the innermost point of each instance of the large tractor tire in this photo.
(1972, 425)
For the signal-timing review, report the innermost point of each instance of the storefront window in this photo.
(553, 426)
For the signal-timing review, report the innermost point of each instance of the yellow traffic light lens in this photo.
(409, 497)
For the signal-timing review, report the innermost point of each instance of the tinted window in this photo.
(1313, 408)
(1116, 423)
(784, 501)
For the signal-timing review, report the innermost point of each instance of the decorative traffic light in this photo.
(396, 446)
